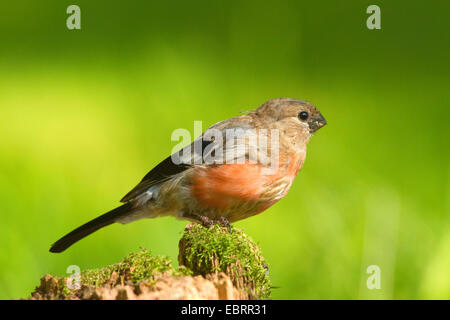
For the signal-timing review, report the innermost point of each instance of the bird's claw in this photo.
(208, 222)
(224, 221)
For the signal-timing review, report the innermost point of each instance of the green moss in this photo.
(135, 267)
(64, 291)
(61, 290)
(202, 252)
(212, 250)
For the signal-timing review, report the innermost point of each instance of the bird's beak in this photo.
(317, 123)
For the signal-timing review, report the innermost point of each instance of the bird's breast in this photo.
(226, 185)
(229, 186)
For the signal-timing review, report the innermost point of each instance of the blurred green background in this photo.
(85, 114)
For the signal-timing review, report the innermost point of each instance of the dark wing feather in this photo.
(163, 172)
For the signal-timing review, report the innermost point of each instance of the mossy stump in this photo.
(214, 264)
(210, 251)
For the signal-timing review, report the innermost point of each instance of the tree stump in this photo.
(213, 264)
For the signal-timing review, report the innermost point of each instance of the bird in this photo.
(235, 169)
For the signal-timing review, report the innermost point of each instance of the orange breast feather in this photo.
(229, 185)
(222, 187)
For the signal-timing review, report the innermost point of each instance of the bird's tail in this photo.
(86, 229)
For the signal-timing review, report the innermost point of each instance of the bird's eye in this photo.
(303, 115)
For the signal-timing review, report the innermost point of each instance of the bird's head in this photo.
(296, 112)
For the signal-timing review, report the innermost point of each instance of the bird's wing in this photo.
(194, 154)
(163, 171)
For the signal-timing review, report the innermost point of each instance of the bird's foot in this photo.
(224, 221)
(205, 221)
(208, 222)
